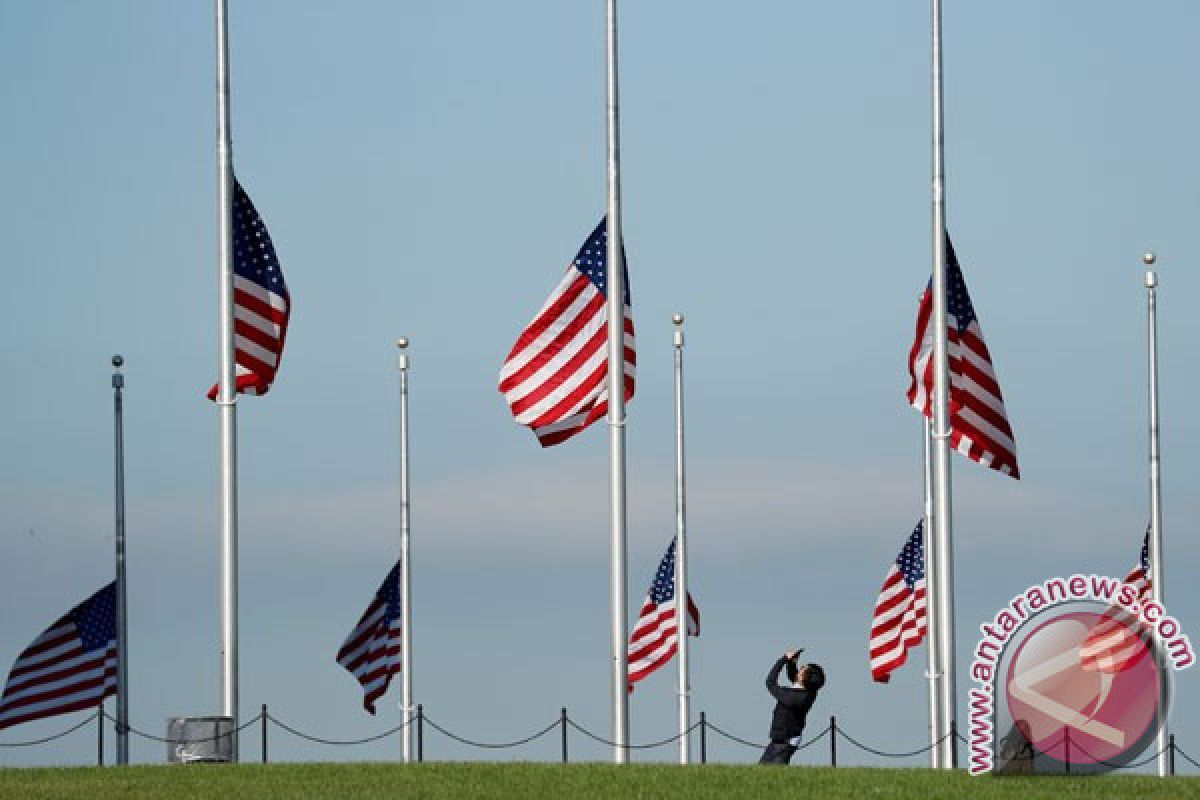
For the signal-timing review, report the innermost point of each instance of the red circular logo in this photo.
(1084, 688)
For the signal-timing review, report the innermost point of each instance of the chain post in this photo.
(1067, 748)
(833, 742)
(263, 717)
(703, 738)
(100, 736)
(563, 724)
(420, 733)
(1171, 752)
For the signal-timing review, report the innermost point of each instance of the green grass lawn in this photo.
(544, 781)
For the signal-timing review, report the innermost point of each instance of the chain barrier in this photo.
(488, 745)
(252, 721)
(758, 746)
(1070, 745)
(1186, 757)
(339, 742)
(602, 740)
(1094, 760)
(33, 742)
(708, 725)
(883, 754)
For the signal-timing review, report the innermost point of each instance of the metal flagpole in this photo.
(406, 701)
(616, 405)
(118, 383)
(226, 387)
(1156, 552)
(933, 673)
(681, 581)
(942, 522)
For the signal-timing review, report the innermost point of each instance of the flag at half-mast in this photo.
(72, 665)
(555, 379)
(1118, 641)
(261, 303)
(372, 651)
(900, 620)
(655, 637)
(979, 426)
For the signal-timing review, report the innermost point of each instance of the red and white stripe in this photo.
(979, 427)
(1119, 640)
(259, 329)
(899, 624)
(555, 378)
(55, 675)
(655, 639)
(373, 651)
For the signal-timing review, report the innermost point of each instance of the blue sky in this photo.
(427, 169)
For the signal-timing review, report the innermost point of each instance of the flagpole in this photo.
(1156, 552)
(933, 673)
(118, 383)
(943, 524)
(615, 285)
(405, 561)
(681, 575)
(226, 387)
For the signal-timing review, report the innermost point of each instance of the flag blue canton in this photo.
(96, 619)
(663, 589)
(1145, 556)
(911, 560)
(958, 302)
(389, 593)
(253, 253)
(592, 260)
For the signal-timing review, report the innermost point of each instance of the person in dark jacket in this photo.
(791, 706)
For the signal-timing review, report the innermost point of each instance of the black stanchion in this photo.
(954, 744)
(833, 741)
(263, 717)
(563, 722)
(1171, 756)
(703, 738)
(1067, 748)
(100, 736)
(420, 733)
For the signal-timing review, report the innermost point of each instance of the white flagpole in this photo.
(616, 406)
(942, 521)
(1156, 551)
(681, 580)
(406, 701)
(933, 673)
(118, 383)
(226, 387)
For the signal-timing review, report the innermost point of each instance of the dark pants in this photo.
(778, 754)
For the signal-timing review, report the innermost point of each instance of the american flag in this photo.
(979, 426)
(372, 650)
(1118, 641)
(261, 303)
(655, 636)
(72, 665)
(555, 379)
(900, 617)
